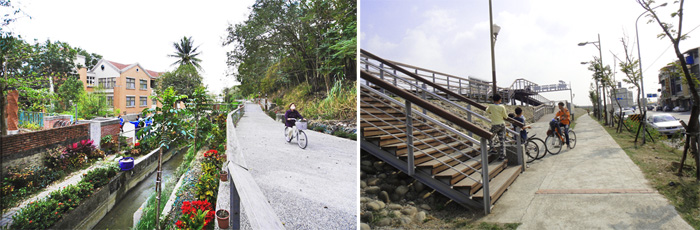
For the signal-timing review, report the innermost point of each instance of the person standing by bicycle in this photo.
(521, 118)
(564, 121)
(290, 118)
(497, 114)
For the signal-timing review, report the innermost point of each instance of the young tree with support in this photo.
(676, 36)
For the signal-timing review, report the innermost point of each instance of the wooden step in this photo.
(380, 123)
(454, 174)
(472, 186)
(392, 111)
(418, 141)
(500, 183)
(446, 162)
(428, 150)
(386, 130)
(402, 137)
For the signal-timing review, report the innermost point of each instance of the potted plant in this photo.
(223, 175)
(222, 216)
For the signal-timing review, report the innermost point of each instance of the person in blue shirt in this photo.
(121, 123)
(521, 118)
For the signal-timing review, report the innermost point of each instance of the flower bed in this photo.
(43, 213)
(195, 215)
(21, 182)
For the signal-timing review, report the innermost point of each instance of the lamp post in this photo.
(600, 52)
(494, 33)
(643, 105)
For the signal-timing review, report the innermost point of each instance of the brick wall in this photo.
(11, 110)
(30, 147)
(50, 121)
(111, 129)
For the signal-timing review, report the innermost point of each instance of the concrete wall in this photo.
(30, 148)
(93, 209)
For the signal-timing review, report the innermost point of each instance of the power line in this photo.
(662, 54)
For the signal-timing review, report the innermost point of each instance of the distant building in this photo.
(127, 87)
(674, 91)
(625, 97)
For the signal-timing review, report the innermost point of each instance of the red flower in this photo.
(179, 224)
(137, 144)
(55, 213)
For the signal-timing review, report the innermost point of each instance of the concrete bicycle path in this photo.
(593, 186)
(312, 188)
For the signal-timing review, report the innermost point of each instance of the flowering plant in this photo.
(195, 215)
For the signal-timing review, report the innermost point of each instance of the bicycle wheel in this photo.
(301, 139)
(572, 139)
(287, 137)
(540, 144)
(553, 144)
(531, 151)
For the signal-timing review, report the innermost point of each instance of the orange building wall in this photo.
(137, 92)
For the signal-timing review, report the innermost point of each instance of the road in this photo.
(312, 188)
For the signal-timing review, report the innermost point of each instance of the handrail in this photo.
(427, 105)
(244, 191)
(432, 84)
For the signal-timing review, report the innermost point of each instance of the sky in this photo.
(538, 38)
(130, 31)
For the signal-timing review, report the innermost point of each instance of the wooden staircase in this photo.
(443, 158)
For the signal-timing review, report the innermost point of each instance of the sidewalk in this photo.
(593, 186)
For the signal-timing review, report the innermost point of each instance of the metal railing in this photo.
(237, 114)
(26, 117)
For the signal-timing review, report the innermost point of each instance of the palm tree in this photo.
(185, 53)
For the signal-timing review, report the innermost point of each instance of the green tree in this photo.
(186, 53)
(184, 80)
(70, 90)
(91, 105)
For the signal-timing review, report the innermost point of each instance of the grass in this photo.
(338, 104)
(659, 163)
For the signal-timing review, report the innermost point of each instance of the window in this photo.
(130, 83)
(107, 83)
(155, 102)
(143, 84)
(110, 101)
(130, 101)
(90, 81)
(153, 84)
(143, 101)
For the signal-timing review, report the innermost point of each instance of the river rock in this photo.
(364, 199)
(363, 175)
(367, 169)
(373, 181)
(420, 217)
(384, 222)
(405, 220)
(382, 176)
(394, 197)
(381, 204)
(363, 184)
(383, 212)
(394, 206)
(409, 211)
(379, 165)
(364, 226)
(384, 196)
(425, 207)
(387, 187)
(366, 216)
(395, 213)
(418, 186)
(372, 190)
(366, 163)
(373, 206)
(401, 190)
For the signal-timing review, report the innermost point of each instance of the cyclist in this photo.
(290, 117)
(497, 114)
(564, 120)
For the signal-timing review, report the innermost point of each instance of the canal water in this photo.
(122, 214)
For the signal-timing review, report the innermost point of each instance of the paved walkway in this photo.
(593, 186)
(312, 188)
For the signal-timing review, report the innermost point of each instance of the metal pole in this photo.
(409, 139)
(641, 79)
(600, 52)
(158, 189)
(485, 176)
(493, 59)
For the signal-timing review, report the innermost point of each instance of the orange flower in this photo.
(69, 200)
(60, 204)
(55, 213)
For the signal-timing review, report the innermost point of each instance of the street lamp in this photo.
(641, 78)
(495, 29)
(600, 52)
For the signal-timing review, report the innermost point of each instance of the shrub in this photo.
(73, 156)
(20, 182)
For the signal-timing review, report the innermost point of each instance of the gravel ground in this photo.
(312, 188)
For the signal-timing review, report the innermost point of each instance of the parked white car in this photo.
(665, 124)
(625, 113)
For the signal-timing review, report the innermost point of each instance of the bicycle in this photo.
(298, 133)
(553, 144)
(532, 148)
